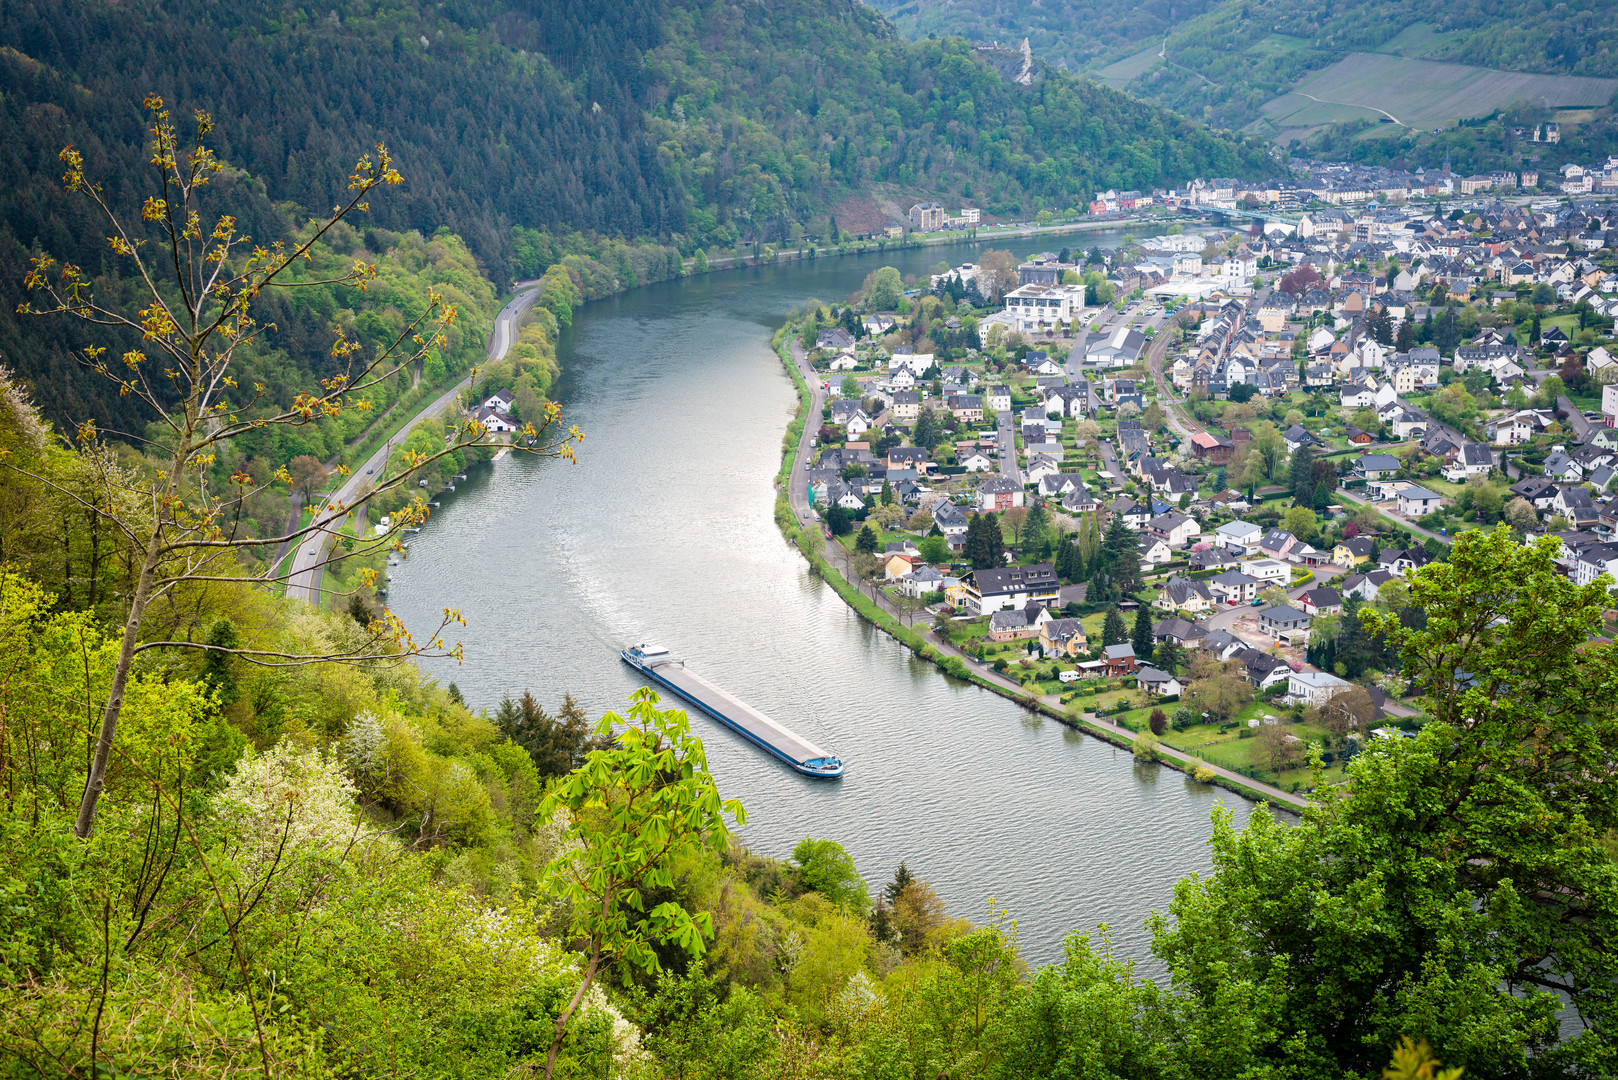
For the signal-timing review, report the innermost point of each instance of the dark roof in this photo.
(1014, 579)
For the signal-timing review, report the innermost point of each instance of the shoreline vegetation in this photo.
(953, 667)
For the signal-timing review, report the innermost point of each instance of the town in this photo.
(1156, 484)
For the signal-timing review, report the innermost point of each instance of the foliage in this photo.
(828, 870)
(636, 809)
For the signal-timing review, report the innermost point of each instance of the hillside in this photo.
(1077, 36)
(696, 123)
(1289, 70)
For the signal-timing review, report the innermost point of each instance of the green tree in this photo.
(634, 811)
(935, 549)
(1301, 475)
(1300, 521)
(829, 870)
(929, 429)
(850, 388)
(1113, 631)
(1412, 906)
(865, 543)
(1170, 656)
(197, 301)
(556, 744)
(984, 547)
(1141, 639)
(884, 289)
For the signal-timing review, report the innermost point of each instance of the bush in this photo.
(1247, 733)
(1146, 747)
(1203, 774)
(1157, 722)
(1184, 719)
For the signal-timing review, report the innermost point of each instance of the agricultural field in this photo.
(1423, 93)
(1120, 74)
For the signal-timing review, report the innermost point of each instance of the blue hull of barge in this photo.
(797, 766)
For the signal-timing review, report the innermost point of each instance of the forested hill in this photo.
(699, 121)
(1226, 58)
(1075, 35)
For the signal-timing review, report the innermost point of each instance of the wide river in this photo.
(663, 531)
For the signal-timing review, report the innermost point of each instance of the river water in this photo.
(663, 531)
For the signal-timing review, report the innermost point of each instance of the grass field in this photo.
(1415, 40)
(1424, 93)
(1120, 74)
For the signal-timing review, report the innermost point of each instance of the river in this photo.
(663, 531)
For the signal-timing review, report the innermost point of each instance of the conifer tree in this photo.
(1113, 631)
(1142, 638)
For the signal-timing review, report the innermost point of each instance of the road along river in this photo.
(664, 532)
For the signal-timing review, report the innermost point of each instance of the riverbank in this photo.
(827, 561)
(878, 247)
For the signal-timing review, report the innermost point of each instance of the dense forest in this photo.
(680, 123)
(1071, 35)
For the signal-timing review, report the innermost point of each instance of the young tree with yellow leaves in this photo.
(198, 289)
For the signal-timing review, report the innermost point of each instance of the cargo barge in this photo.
(657, 664)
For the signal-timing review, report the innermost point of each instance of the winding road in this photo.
(303, 580)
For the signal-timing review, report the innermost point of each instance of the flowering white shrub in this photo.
(290, 799)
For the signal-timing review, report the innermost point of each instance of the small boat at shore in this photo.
(659, 665)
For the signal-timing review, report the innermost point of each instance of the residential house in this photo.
(988, 591)
(1285, 623)
(1014, 624)
(1120, 659)
(921, 581)
(1261, 669)
(835, 339)
(1539, 491)
(1297, 436)
(1041, 467)
(1574, 503)
(1314, 688)
(1155, 683)
(1279, 544)
(897, 564)
(1403, 561)
(949, 518)
(998, 399)
(1415, 500)
(1174, 527)
(997, 493)
(1594, 561)
(1469, 460)
(1321, 601)
(1080, 501)
(1179, 631)
(1183, 594)
(1353, 551)
(1234, 587)
(1242, 536)
(1154, 551)
(975, 461)
(1267, 571)
(1365, 586)
(967, 408)
(1062, 638)
(494, 420)
(1377, 466)
(906, 405)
